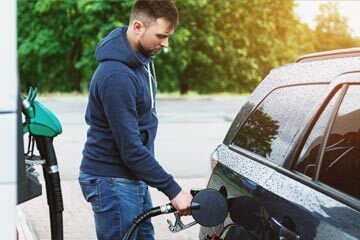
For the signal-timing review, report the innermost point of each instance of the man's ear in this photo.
(138, 27)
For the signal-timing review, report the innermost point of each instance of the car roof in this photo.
(339, 53)
(319, 71)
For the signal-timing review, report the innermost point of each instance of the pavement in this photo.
(33, 218)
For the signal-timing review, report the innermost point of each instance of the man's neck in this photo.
(132, 40)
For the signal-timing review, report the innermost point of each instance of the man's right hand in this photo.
(182, 203)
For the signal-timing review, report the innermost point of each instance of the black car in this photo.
(289, 165)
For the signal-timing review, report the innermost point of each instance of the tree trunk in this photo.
(184, 87)
(75, 73)
(184, 80)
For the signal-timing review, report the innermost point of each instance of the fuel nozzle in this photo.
(27, 103)
(169, 208)
(202, 210)
(40, 121)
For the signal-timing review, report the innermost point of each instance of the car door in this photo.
(266, 138)
(321, 201)
(329, 161)
(285, 204)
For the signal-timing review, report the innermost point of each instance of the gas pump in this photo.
(42, 126)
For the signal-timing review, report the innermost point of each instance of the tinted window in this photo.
(340, 167)
(306, 163)
(270, 129)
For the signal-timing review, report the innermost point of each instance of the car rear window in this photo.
(340, 165)
(339, 159)
(272, 126)
(306, 163)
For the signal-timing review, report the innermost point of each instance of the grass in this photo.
(193, 94)
(159, 95)
(62, 94)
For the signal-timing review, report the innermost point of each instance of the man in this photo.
(118, 158)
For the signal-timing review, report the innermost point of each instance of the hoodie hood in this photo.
(116, 47)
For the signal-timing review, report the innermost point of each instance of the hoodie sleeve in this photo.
(119, 94)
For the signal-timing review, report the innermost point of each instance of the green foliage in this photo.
(218, 46)
(230, 45)
(332, 30)
(57, 40)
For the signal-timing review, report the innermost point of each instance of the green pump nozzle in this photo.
(40, 120)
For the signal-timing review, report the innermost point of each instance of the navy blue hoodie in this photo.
(121, 117)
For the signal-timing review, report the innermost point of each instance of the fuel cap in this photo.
(213, 208)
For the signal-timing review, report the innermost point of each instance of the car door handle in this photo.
(284, 232)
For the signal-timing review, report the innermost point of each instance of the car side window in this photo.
(306, 163)
(272, 126)
(340, 166)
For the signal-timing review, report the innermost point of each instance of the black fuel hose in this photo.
(167, 208)
(53, 186)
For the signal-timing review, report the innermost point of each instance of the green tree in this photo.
(57, 40)
(230, 45)
(218, 46)
(332, 30)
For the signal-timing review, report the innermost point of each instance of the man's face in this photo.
(155, 37)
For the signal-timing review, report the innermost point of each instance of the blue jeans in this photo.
(115, 203)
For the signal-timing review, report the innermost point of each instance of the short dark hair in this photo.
(149, 11)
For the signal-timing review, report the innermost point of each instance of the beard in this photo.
(146, 51)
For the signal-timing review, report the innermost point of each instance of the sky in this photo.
(308, 9)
